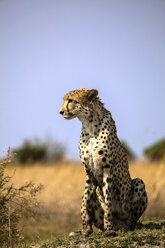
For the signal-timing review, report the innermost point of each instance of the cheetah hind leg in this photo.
(139, 200)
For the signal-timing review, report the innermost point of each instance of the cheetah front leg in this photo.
(107, 191)
(85, 208)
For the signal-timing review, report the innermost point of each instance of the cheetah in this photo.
(112, 200)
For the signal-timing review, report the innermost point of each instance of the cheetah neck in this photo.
(91, 124)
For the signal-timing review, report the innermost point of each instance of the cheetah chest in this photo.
(91, 159)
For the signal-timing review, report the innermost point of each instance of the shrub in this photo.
(38, 151)
(156, 152)
(130, 154)
(30, 152)
(15, 203)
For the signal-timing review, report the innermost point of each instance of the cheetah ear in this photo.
(92, 94)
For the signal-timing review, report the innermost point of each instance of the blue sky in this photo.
(49, 47)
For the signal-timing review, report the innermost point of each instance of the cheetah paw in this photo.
(110, 233)
(74, 233)
(86, 233)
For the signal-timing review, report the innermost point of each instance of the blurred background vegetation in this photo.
(156, 152)
(38, 151)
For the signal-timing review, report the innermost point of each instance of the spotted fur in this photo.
(112, 200)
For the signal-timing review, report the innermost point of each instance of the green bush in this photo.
(130, 155)
(156, 152)
(29, 152)
(37, 151)
(15, 204)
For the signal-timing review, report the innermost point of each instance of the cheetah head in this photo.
(78, 103)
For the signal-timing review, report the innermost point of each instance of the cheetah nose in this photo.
(61, 112)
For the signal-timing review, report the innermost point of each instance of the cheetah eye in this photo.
(70, 100)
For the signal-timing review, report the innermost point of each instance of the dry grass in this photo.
(64, 186)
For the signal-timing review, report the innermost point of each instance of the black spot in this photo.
(100, 152)
(104, 159)
(109, 180)
(95, 182)
(144, 194)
